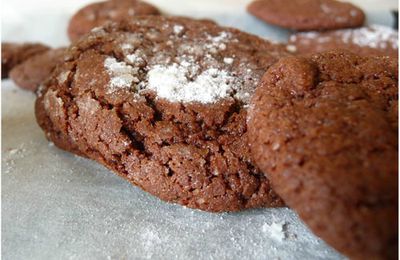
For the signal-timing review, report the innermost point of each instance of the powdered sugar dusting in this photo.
(171, 82)
(121, 74)
(374, 36)
(197, 70)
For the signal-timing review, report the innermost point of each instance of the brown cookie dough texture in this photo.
(32, 72)
(306, 15)
(97, 14)
(162, 102)
(375, 40)
(324, 130)
(13, 54)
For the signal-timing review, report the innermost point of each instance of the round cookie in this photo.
(306, 15)
(324, 130)
(375, 40)
(32, 72)
(163, 103)
(13, 54)
(97, 14)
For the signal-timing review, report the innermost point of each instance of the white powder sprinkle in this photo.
(63, 76)
(221, 37)
(171, 82)
(217, 42)
(374, 36)
(291, 48)
(178, 29)
(228, 60)
(121, 74)
(276, 230)
(126, 46)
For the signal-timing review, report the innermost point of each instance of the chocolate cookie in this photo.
(324, 130)
(13, 54)
(305, 15)
(162, 102)
(97, 14)
(373, 40)
(32, 72)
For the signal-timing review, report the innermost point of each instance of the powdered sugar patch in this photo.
(171, 82)
(121, 74)
(374, 36)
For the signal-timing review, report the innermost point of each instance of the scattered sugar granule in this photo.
(276, 230)
(63, 76)
(228, 60)
(178, 29)
(221, 37)
(291, 48)
(216, 43)
(171, 82)
(121, 74)
(126, 46)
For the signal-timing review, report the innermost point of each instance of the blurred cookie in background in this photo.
(96, 14)
(372, 40)
(306, 15)
(13, 54)
(32, 72)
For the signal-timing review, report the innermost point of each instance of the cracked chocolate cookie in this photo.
(324, 130)
(13, 54)
(375, 40)
(97, 14)
(306, 15)
(163, 103)
(32, 72)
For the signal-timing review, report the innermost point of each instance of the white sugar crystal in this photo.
(228, 60)
(171, 82)
(291, 48)
(276, 230)
(221, 37)
(63, 76)
(126, 46)
(121, 74)
(216, 43)
(178, 29)
(97, 29)
(131, 57)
